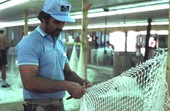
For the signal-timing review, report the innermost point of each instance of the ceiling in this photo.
(33, 7)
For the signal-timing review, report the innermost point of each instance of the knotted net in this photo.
(141, 88)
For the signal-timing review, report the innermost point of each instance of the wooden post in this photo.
(147, 40)
(25, 22)
(168, 60)
(84, 41)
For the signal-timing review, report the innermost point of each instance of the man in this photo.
(4, 46)
(43, 63)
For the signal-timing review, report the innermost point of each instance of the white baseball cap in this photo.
(58, 9)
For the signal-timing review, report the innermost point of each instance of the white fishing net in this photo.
(141, 88)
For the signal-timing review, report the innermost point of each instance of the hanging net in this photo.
(141, 88)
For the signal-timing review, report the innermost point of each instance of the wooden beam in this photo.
(85, 7)
(136, 28)
(73, 43)
(148, 34)
(168, 60)
(25, 22)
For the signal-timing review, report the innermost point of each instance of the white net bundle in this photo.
(142, 88)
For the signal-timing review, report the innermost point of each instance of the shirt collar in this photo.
(43, 34)
(39, 29)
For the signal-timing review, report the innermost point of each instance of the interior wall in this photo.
(14, 34)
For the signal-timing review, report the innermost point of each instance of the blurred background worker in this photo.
(4, 46)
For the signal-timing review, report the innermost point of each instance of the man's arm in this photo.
(34, 83)
(39, 84)
(72, 76)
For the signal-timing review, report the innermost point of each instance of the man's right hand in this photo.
(75, 90)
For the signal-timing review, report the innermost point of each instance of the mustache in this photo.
(58, 29)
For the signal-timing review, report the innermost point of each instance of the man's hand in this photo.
(86, 84)
(75, 90)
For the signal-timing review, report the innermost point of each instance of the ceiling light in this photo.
(113, 25)
(140, 4)
(91, 14)
(125, 11)
(93, 26)
(1, 1)
(11, 3)
(19, 23)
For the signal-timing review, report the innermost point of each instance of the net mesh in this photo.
(141, 88)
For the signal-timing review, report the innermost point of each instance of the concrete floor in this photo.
(17, 106)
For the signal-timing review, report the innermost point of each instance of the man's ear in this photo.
(45, 21)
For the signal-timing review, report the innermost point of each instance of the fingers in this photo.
(81, 93)
(76, 91)
(86, 83)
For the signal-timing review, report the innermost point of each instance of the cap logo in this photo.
(64, 8)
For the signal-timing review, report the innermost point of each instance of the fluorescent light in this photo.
(1, 1)
(114, 25)
(33, 21)
(160, 23)
(117, 25)
(100, 14)
(143, 4)
(19, 23)
(93, 26)
(72, 27)
(160, 32)
(11, 24)
(90, 11)
(11, 3)
(126, 11)
(130, 24)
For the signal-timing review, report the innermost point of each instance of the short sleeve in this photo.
(27, 52)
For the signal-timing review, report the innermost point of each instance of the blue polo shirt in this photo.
(49, 55)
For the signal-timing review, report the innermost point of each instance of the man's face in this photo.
(54, 27)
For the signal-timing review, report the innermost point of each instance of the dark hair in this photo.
(45, 16)
(1, 31)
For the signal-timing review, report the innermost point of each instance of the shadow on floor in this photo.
(16, 106)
